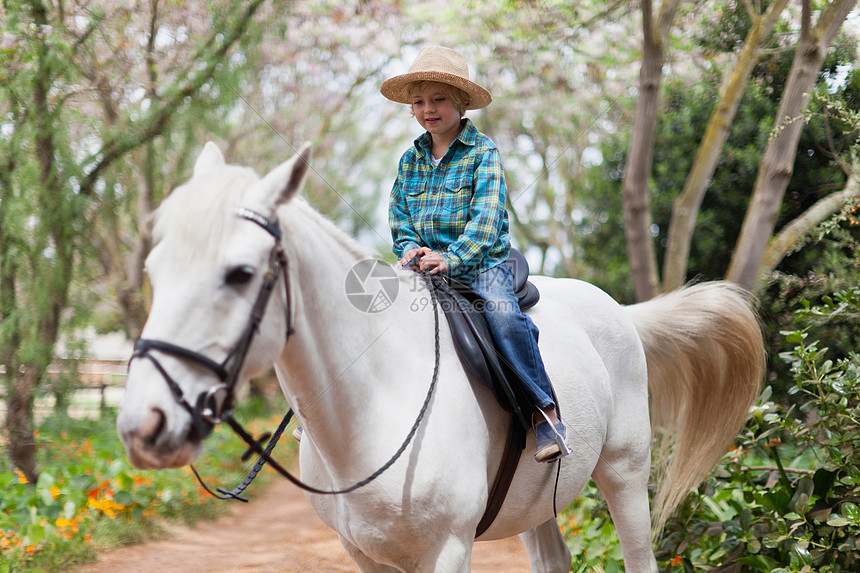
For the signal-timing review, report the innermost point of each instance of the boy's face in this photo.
(435, 111)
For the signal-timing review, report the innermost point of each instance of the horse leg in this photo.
(624, 484)
(365, 563)
(454, 555)
(546, 548)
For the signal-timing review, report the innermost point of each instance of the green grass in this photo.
(89, 498)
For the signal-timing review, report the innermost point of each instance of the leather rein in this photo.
(217, 404)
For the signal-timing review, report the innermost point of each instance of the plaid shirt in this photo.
(457, 209)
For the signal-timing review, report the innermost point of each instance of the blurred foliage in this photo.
(837, 268)
(685, 113)
(78, 95)
(590, 534)
(89, 498)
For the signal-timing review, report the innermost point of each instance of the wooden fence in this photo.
(92, 385)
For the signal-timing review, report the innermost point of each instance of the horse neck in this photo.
(345, 372)
(329, 333)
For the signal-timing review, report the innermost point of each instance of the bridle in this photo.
(217, 403)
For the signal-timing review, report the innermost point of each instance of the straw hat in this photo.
(437, 64)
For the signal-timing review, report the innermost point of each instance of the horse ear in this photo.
(284, 181)
(210, 157)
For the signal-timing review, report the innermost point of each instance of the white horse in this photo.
(357, 381)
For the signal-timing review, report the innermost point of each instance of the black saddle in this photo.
(476, 349)
(474, 343)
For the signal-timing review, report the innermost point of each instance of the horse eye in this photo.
(240, 275)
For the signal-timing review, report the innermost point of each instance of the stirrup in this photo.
(548, 453)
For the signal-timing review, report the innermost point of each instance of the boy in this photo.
(447, 206)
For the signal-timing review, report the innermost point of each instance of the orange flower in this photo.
(21, 477)
(676, 560)
(55, 492)
(106, 506)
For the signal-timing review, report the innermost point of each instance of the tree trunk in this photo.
(19, 422)
(21, 382)
(685, 208)
(640, 154)
(787, 239)
(778, 162)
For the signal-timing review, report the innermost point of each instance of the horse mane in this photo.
(198, 217)
(306, 212)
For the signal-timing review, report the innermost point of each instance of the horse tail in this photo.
(706, 361)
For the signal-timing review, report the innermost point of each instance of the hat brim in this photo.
(396, 88)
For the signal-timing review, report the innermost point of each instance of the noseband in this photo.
(214, 405)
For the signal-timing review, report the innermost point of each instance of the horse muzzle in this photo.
(151, 444)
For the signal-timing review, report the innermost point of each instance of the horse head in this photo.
(216, 259)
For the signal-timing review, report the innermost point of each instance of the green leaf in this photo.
(45, 495)
(761, 563)
(801, 553)
(35, 534)
(837, 520)
(794, 337)
(69, 509)
(773, 539)
(754, 546)
(823, 480)
(123, 497)
(851, 512)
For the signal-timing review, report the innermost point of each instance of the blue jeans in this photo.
(515, 334)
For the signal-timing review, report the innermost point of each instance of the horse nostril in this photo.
(152, 425)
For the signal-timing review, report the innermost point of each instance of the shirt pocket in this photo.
(415, 192)
(457, 195)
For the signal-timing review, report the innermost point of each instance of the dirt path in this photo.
(276, 532)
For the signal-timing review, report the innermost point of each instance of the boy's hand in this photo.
(432, 262)
(410, 254)
(429, 260)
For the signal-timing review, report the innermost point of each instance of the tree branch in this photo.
(154, 122)
(775, 468)
(777, 164)
(751, 11)
(686, 206)
(787, 239)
